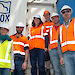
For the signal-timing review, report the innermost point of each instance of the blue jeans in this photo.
(37, 55)
(55, 60)
(18, 60)
(69, 60)
(4, 71)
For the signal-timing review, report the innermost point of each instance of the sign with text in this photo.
(5, 7)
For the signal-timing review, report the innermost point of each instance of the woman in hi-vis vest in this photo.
(37, 45)
(6, 51)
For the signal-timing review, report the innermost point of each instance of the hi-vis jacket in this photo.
(67, 37)
(37, 37)
(53, 37)
(5, 57)
(19, 44)
(48, 25)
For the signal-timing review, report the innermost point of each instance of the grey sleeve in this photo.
(59, 48)
(12, 58)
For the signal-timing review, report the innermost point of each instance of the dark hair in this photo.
(33, 23)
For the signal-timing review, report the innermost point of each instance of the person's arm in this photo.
(45, 34)
(59, 47)
(12, 59)
(24, 65)
(60, 52)
(46, 41)
(26, 48)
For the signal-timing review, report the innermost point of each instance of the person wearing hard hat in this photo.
(54, 52)
(6, 51)
(5, 37)
(67, 40)
(21, 50)
(48, 24)
(37, 45)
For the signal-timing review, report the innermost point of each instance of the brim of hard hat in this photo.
(55, 16)
(45, 14)
(37, 16)
(5, 28)
(20, 26)
(65, 9)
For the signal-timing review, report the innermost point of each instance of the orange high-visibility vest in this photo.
(67, 37)
(48, 25)
(36, 37)
(53, 37)
(19, 44)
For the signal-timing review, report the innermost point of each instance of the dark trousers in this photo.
(18, 60)
(37, 56)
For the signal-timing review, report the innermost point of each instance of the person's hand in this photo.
(45, 49)
(49, 48)
(12, 70)
(24, 65)
(62, 61)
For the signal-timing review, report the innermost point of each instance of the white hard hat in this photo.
(65, 7)
(37, 16)
(20, 24)
(4, 25)
(54, 14)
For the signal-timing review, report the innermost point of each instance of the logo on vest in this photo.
(5, 11)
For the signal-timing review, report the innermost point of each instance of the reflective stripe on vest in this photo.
(49, 26)
(26, 45)
(67, 42)
(61, 33)
(20, 43)
(16, 51)
(37, 36)
(7, 54)
(54, 41)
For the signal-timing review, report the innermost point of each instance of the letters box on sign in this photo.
(5, 11)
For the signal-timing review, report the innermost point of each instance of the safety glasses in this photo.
(19, 27)
(67, 11)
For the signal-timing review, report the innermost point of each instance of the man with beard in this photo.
(20, 48)
(67, 40)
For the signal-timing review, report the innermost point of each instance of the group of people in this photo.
(50, 36)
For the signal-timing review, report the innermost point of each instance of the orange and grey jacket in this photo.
(20, 44)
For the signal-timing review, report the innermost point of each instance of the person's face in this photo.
(19, 30)
(66, 14)
(47, 16)
(4, 31)
(55, 19)
(37, 21)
